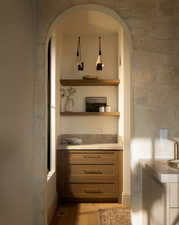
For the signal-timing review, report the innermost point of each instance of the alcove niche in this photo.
(89, 25)
(89, 22)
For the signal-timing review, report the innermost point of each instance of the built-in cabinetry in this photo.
(172, 204)
(94, 175)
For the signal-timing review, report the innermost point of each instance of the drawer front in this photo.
(89, 173)
(87, 157)
(89, 189)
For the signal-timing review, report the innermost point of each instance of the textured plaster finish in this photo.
(21, 197)
(155, 70)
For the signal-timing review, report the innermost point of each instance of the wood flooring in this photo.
(80, 213)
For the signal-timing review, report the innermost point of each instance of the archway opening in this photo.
(89, 22)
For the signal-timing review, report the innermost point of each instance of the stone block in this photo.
(140, 96)
(143, 9)
(163, 95)
(177, 31)
(146, 43)
(162, 31)
(165, 7)
(145, 66)
(124, 8)
(78, 2)
(110, 4)
(177, 114)
(145, 121)
(139, 23)
(135, 9)
(167, 75)
(149, 120)
(176, 44)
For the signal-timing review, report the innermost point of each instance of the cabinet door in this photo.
(173, 194)
(174, 216)
(154, 200)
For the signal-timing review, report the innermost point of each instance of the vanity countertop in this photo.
(161, 170)
(107, 146)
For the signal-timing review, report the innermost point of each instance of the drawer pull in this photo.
(92, 157)
(93, 172)
(92, 191)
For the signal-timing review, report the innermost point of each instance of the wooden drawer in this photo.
(89, 189)
(89, 157)
(89, 173)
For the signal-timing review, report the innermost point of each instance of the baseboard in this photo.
(126, 200)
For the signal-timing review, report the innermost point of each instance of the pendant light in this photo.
(99, 63)
(79, 63)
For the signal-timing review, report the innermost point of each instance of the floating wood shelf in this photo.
(116, 114)
(69, 82)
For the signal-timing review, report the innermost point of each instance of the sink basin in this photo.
(174, 163)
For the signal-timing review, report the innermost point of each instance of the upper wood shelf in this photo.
(116, 114)
(69, 82)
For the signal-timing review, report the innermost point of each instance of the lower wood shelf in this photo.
(116, 114)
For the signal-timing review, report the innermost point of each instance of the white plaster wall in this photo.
(51, 200)
(89, 50)
(94, 125)
(59, 45)
(89, 44)
(18, 186)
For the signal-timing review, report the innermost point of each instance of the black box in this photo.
(93, 103)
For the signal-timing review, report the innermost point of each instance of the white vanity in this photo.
(160, 187)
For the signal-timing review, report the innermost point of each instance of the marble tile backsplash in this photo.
(90, 138)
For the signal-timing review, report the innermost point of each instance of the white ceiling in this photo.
(88, 22)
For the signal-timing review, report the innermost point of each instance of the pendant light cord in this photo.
(99, 45)
(79, 48)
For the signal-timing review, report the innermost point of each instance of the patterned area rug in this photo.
(115, 216)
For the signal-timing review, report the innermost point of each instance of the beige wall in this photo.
(89, 44)
(19, 189)
(89, 51)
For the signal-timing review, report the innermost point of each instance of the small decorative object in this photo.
(62, 100)
(79, 62)
(101, 108)
(93, 104)
(69, 104)
(90, 77)
(99, 63)
(108, 108)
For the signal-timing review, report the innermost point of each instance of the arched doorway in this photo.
(126, 90)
